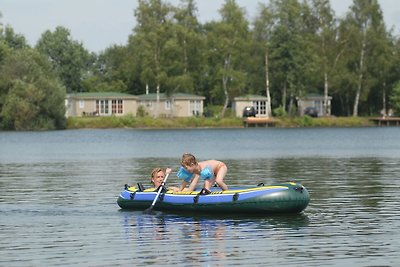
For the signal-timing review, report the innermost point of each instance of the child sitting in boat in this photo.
(158, 176)
(210, 171)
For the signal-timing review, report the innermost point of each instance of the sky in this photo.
(99, 24)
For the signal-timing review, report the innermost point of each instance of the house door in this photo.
(102, 107)
(261, 108)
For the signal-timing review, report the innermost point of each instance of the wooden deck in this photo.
(258, 122)
(387, 121)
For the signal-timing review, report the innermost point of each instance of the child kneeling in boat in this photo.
(210, 171)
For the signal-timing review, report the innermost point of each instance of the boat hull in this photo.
(280, 198)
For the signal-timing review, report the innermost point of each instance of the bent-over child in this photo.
(210, 171)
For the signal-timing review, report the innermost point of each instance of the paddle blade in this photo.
(148, 210)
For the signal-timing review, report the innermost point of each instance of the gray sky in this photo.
(99, 24)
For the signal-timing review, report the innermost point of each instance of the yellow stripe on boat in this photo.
(133, 189)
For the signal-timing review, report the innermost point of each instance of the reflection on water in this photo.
(58, 194)
(205, 239)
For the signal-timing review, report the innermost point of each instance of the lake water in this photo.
(58, 194)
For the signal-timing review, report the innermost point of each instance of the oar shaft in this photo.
(159, 191)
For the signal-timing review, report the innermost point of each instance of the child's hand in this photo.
(168, 170)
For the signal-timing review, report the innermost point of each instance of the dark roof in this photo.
(250, 98)
(313, 97)
(163, 96)
(101, 95)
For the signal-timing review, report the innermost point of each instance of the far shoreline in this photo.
(131, 122)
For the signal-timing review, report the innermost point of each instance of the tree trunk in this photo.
(325, 111)
(225, 87)
(185, 56)
(269, 107)
(384, 98)
(290, 111)
(284, 96)
(225, 78)
(158, 100)
(360, 76)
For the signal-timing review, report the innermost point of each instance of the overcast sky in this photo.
(99, 24)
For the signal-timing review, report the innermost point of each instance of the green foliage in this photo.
(32, 98)
(116, 77)
(395, 98)
(280, 112)
(141, 112)
(69, 58)
(229, 51)
(354, 59)
(12, 40)
(307, 121)
(128, 121)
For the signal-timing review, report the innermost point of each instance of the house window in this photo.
(119, 106)
(261, 107)
(195, 107)
(116, 106)
(81, 103)
(102, 107)
(167, 105)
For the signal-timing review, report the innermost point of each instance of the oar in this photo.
(149, 210)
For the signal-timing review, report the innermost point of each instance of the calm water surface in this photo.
(58, 194)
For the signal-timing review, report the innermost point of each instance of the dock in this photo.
(258, 122)
(386, 121)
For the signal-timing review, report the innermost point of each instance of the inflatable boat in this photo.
(279, 198)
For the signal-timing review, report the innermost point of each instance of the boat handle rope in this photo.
(196, 199)
(132, 195)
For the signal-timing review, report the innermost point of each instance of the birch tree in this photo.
(262, 33)
(154, 20)
(325, 44)
(363, 20)
(228, 45)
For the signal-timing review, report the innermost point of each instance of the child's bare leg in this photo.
(220, 177)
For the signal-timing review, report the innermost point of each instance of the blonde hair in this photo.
(188, 159)
(154, 173)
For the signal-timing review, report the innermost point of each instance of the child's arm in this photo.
(183, 185)
(193, 184)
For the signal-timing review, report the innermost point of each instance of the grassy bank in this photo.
(200, 122)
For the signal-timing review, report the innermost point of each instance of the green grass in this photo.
(307, 121)
(130, 121)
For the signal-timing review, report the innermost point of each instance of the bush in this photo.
(280, 112)
(141, 112)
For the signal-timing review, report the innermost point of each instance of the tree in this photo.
(185, 51)
(111, 72)
(10, 41)
(262, 33)
(151, 35)
(228, 55)
(326, 45)
(395, 98)
(290, 50)
(70, 60)
(360, 27)
(14, 41)
(33, 97)
(383, 70)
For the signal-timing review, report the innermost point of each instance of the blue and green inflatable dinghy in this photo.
(279, 198)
